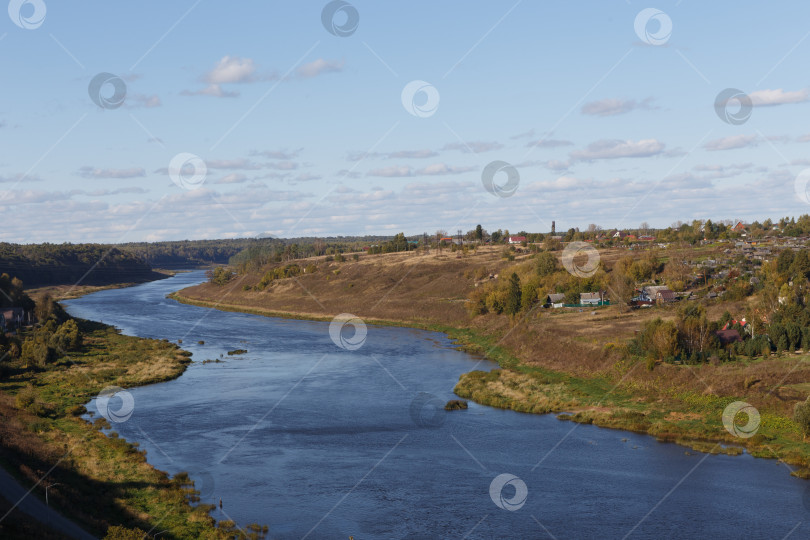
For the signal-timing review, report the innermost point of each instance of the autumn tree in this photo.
(513, 295)
(546, 264)
(621, 287)
(694, 329)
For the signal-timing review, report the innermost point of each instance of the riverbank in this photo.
(98, 480)
(69, 292)
(571, 363)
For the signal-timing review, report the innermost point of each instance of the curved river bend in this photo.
(320, 442)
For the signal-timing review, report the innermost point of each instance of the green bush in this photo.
(801, 414)
(25, 397)
(35, 351)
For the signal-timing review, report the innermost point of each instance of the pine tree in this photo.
(513, 295)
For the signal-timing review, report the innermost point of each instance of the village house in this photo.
(592, 298)
(517, 239)
(665, 297)
(660, 294)
(727, 337)
(12, 318)
(741, 227)
(555, 300)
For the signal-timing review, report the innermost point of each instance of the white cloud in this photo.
(412, 154)
(233, 178)
(232, 69)
(283, 166)
(442, 168)
(524, 135)
(19, 177)
(346, 173)
(228, 70)
(107, 192)
(278, 154)
(557, 165)
(549, 143)
(394, 171)
(29, 196)
(91, 172)
(233, 164)
(723, 171)
(765, 98)
(614, 106)
(141, 100)
(306, 177)
(436, 169)
(731, 142)
(614, 149)
(319, 67)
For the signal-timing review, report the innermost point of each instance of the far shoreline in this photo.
(471, 342)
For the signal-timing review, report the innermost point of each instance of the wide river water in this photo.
(317, 441)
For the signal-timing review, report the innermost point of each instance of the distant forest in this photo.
(40, 265)
(60, 264)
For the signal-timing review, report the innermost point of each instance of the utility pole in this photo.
(47, 487)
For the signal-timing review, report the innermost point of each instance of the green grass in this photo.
(687, 418)
(105, 480)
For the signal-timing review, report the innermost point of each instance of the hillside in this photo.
(579, 360)
(66, 264)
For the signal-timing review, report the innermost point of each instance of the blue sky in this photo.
(304, 133)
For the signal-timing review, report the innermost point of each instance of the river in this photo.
(317, 441)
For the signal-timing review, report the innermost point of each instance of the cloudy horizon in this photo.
(186, 121)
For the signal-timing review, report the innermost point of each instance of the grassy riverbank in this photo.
(552, 361)
(69, 292)
(103, 481)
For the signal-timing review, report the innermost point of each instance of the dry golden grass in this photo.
(432, 290)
